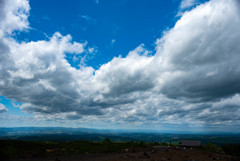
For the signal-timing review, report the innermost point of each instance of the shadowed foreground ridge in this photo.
(15, 150)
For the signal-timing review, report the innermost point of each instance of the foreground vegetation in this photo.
(17, 148)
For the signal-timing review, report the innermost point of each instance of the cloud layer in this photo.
(193, 76)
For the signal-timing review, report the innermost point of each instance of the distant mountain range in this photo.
(8, 131)
(71, 134)
(43, 130)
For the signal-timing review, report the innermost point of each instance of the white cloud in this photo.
(112, 42)
(13, 16)
(16, 105)
(187, 3)
(205, 40)
(2, 108)
(193, 77)
(88, 19)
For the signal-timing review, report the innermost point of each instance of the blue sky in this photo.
(112, 27)
(169, 65)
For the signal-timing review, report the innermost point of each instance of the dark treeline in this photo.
(18, 148)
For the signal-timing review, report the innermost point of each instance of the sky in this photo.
(169, 65)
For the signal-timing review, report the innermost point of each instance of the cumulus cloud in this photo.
(203, 63)
(2, 108)
(13, 15)
(193, 77)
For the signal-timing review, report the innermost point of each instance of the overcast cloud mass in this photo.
(191, 78)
